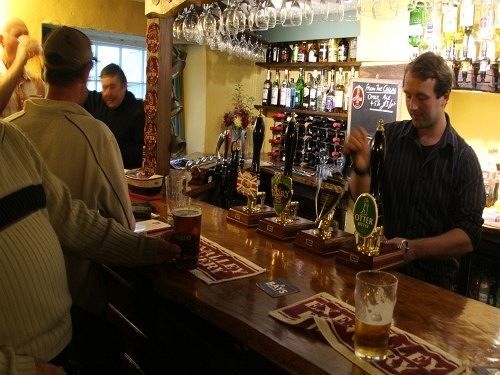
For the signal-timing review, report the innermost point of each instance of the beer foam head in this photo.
(187, 211)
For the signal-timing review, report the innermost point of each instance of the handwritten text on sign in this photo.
(381, 97)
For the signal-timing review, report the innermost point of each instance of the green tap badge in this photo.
(365, 215)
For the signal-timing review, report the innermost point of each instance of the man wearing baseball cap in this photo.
(81, 151)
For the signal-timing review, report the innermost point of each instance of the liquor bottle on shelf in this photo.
(307, 90)
(291, 99)
(330, 95)
(266, 91)
(332, 50)
(282, 101)
(484, 62)
(275, 90)
(302, 55)
(269, 53)
(276, 53)
(347, 94)
(450, 19)
(343, 50)
(285, 53)
(321, 92)
(416, 30)
(313, 52)
(353, 49)
(295, 52)
(313, 91)
(339, 91)
(486, 11)
(299, 89)
(323, 51)
(466, 23)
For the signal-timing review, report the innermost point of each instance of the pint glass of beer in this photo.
(375, 297)
(187, 229)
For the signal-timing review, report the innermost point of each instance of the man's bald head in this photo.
(11, 31)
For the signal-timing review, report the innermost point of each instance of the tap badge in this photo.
(365, 215)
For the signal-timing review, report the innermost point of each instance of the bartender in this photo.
(432, 188)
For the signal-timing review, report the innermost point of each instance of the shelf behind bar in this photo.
(335, 115)
(309, 65)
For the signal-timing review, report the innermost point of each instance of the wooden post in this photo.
(158, 95)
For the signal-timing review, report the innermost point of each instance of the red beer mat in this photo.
(217, 264)
(408, 354)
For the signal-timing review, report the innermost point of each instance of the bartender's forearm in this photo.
(454, 243)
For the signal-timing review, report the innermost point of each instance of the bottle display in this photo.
(313, 52)
(299, 90)
(302, 54)
(339, 91)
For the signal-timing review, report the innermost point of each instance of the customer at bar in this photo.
(37, 217)
(121, 112)
(432, 190)
(17, 49)
(82, 152)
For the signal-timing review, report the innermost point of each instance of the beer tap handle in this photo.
(220, 141)
(258, 139)
(291, 137)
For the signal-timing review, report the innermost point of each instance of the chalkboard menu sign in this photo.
(371, 100)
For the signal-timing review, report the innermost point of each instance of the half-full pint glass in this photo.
(375, 298)
(187, 228)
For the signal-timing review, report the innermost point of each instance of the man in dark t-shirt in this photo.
(121, 112)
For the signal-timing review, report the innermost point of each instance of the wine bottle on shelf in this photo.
(282, 101)
(266, 91)
(275, 90)
(307, 90)
(313, 91)
(291, 93)
(339, 91)
(299, 89)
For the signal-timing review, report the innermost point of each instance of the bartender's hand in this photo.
(28, 47)
(357, 145)
(168, 250)
(43, 368)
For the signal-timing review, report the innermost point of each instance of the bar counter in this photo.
(463, 327)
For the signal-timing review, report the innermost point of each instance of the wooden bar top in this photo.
(465, 328)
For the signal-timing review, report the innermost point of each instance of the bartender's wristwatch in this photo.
(409, 255)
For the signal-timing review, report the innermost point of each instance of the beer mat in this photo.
(217, 264)
(278, 287)
(408, 354)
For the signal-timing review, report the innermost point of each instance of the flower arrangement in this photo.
(240, 117)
